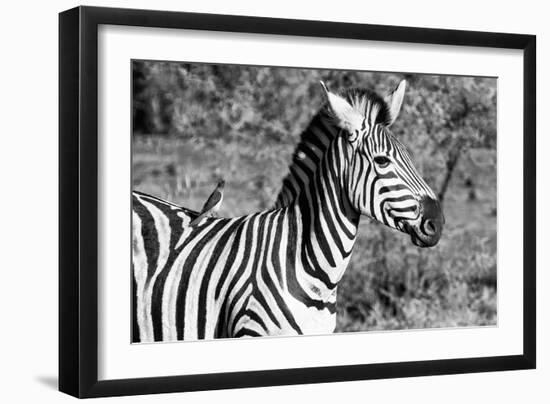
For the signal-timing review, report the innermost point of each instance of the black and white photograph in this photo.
(251, 202)
(275, 202)
(272, 201)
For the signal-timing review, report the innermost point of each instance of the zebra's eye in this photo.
(382, 161)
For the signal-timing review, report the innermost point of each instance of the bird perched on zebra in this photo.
(276, 272)
(212, 204)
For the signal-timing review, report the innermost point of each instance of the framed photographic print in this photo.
(250, 201)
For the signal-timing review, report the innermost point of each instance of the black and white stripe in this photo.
(276, 272)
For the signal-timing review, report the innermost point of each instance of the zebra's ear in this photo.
(395, 100)
(346, 116)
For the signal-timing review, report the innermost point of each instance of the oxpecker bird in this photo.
(212, 205)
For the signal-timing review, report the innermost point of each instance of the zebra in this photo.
(276, 272)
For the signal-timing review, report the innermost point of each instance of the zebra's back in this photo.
(220, 278)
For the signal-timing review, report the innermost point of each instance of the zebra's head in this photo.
(379, 176)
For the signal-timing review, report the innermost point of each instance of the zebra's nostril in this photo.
(430, 227)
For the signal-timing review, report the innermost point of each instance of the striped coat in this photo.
(276, 272)
(269, 273)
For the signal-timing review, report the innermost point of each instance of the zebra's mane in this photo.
(315, 139)
(360, 98)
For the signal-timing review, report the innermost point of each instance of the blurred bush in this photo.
(195, 123)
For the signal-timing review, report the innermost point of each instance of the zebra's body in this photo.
(275, 272)
(269, 273)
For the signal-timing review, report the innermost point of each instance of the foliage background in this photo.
(196, 123)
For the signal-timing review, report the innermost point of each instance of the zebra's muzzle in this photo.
(426, 230)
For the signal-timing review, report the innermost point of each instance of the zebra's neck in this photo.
(307, 157)
(327, 223)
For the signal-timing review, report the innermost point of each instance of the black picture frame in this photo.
(78, 200)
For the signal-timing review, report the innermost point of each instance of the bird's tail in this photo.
(197, 220)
